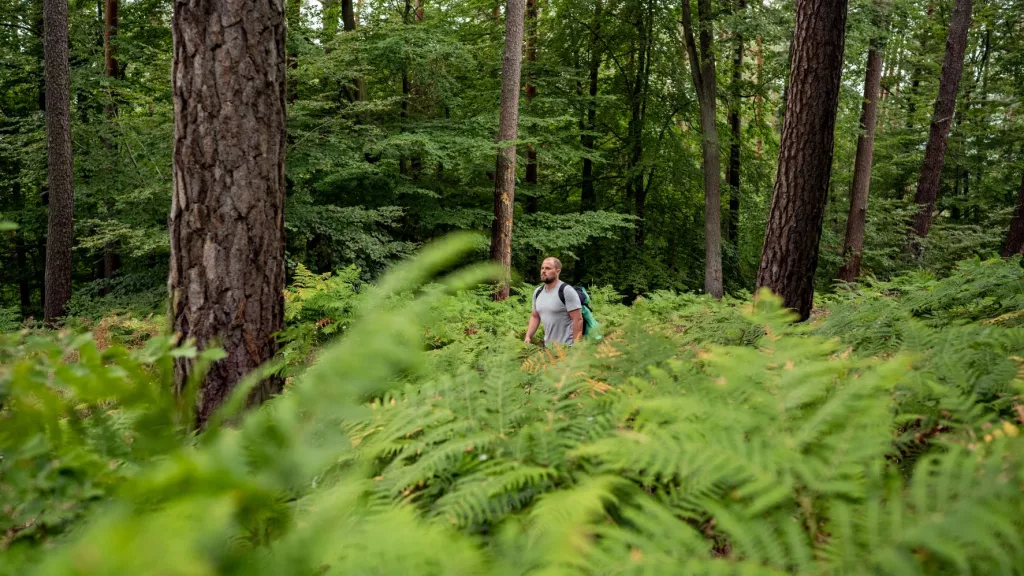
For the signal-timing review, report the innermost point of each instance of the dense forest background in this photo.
(392, 116)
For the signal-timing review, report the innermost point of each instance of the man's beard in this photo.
(549, 279)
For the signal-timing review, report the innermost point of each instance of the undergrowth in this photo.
(424, 437)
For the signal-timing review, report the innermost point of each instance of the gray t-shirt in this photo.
(554, 315)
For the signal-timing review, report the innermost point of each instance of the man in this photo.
(562, 322)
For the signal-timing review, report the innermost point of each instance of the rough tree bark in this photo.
(854, 243)
(226, 223)
(735, 140)
(702, 70)
(790, 254)
(942, 117)
(60, 164)
(508, 130)
(1015, 239)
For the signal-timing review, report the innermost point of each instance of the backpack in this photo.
(589, 322)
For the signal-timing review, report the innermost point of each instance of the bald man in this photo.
(562, 323)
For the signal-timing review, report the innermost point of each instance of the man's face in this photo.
(548, 272)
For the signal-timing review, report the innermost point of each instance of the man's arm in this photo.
(532, 328)
(577, 325)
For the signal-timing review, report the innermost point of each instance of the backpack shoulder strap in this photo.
(561, 292)
(535, 294)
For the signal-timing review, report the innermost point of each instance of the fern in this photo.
(697, 437)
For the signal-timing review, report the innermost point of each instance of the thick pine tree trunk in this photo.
(508, 129)
(854, 243)
(702, 69)
(60, 166)
(942, 117)
(1015, 240)
(226, 223)
(790, 255)
(735, 141)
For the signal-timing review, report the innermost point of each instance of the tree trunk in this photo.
(790, 254)
(702, 69)
(18, 238)
(24, 290)
(226, 223)
(636, 191)
(508, 129)
(532, 201)
(111, 261)
(854, 243)
(531, 90)
(1015, 240)
(60, 166)
(758, 99)
(945, 102)
(588, 194)
(348, 16)
(735, 128)
(109, 31)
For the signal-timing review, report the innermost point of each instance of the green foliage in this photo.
(426, 438)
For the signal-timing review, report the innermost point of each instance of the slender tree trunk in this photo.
(18, 238)
(111, 260)
(854, 243)
(508, 130)
(531, 89)
(348, 16)
(532, 201)
(758, 99)
(735, 141)
(636, 191)
(24, 290)
(702, 69)
(942, 117)
(1015, 239)
(109, 32)
(294, 12)
(226, 223)
(404, 162)
(790, 255)
(60, 165)
(588, 194)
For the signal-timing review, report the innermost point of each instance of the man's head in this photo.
(550, 269)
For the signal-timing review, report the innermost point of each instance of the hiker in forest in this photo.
(556, 306)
